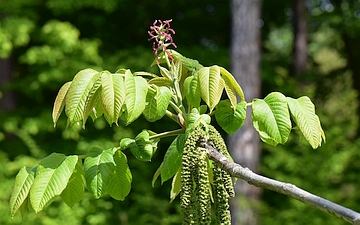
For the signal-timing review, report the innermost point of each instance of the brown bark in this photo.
(300, 49)
(244, 144)
(288, 189)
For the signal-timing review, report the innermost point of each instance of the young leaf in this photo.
(98, 166)
(271, 118)
(74, 190)
(165, 72)
(92, 100)
(175, 185)
(231, 86)
(160, 81)
(136, 89)
(59, 103)
(23, 181)
(303, 113)
(157, 103)
(120, 183)
(211, 85)
(78, 94)
(143, 148)
(52, 176)
(112, 96)
(192, 90)
(172, 158)
(229, 119)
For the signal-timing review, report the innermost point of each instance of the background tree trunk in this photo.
(244, 144)
(300, 49)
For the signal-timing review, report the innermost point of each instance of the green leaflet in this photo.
(157, 103)
(303, 113)
(59, 103)
(228, 118)
(74, 190)
(211, 85)
(271, 118)
(80, 90)
(23, 181)
(112, 96)
(192, 90)
(52, 176)
(142, 147)
(120, 183)
(172, 158)
(98, 166)
(176, 185)
(231, 86)
(160, 81)
(136, 89)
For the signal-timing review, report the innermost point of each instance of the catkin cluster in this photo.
(197, 192)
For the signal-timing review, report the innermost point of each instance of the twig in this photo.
(288, 189)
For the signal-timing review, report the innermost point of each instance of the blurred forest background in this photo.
(44, 43)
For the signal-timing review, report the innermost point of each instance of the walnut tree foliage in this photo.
(185, 91)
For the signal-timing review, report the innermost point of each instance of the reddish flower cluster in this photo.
(161, 33)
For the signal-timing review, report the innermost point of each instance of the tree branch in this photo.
(288, 189)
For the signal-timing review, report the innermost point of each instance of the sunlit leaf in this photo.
(160, 81)
(52, 176)
(172, 158)
(120, 183)
(143, 148)
(211, 85)
(74, 190)
(92, 100)
(78, 93)
(136, 89)
(59, 103)
(175, 185)
(98, 166)
(303, 113)
(231, 85)
(229, 119)
(112, 96)
(157, 103)
(23, 181)
(192, 90)
(271, 118)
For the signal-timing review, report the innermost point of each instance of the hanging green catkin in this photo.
(219, 144)
(221, 200)
(195, 196)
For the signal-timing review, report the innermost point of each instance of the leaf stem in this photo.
(168, 133)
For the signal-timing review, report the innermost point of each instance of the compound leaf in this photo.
(52, 176)
(271, 118)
